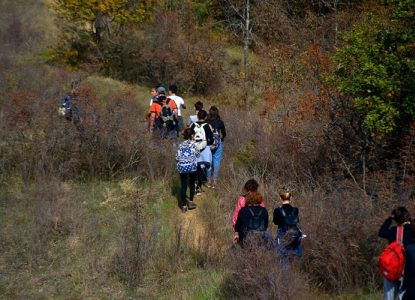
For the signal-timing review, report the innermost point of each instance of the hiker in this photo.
(69, 107)
(250, 186)
(408, 286)
(204, 138)
(219, 134)
(252, 218)
(179, 104)
(193, 118)
(289, 235)
(186, 156)
(154, 96)
(402, 217)
(162, 115)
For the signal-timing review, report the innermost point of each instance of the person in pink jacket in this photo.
(250, 186)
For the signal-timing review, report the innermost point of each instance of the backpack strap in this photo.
(252, 213)
(158, 102)
(281, 209)
(292, 212)
(399, 234)
(399, 238)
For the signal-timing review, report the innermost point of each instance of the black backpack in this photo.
(167, 118)
(291, 231)
(256, 224)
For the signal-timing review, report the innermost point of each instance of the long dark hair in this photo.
(251, 186)
(214, 114)
(401, 215)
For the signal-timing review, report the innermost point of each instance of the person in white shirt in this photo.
(179, 103)
(193, 118)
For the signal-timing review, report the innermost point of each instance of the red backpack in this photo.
(392, 259)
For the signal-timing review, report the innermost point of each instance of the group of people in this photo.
(165, 113)
(251, 219)
(198, 160)
(404, 233)
(199, 156)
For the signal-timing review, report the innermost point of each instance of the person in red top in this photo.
(250, 186)
(155, 112)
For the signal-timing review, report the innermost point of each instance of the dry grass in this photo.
(92, 212)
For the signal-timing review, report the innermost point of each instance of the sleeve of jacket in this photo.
(238, 223)
(275, 216)
(297, 213)
(239, 205)
(384, 231)
(266, 220)
(223, 130)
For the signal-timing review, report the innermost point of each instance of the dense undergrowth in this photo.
(90, 210)
(114, 238)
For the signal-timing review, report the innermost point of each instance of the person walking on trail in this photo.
(250, 186)
(179, 104)
(163, 111)
(289, 235)
(252, 220)
(193, 118)
(186, 157)
(154, 96)
(69, 107)
(204, 138)
(219, 134)
(408, 286)
(402, 217)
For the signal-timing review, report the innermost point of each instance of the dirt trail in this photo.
(192, 221)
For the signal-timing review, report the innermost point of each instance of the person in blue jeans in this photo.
(286, 253)
(402, 217)
(219, 129)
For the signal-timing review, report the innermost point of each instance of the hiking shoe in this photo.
(198, 192)
(214, 185)
(191, 205)
(209, 185)
(184, 209)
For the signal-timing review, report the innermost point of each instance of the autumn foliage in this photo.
(306, 118)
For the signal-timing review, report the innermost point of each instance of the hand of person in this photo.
(235, 238)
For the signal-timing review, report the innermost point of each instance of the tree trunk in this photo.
(246, 52)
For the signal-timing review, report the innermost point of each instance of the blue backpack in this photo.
(65, 108)
(185, 158)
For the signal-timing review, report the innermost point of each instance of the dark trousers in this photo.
(191, 179)
(201, 176)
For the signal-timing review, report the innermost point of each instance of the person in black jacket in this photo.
(279, 219)
(408, 286)
(219, 129)
(402, 217)
(251, 209)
